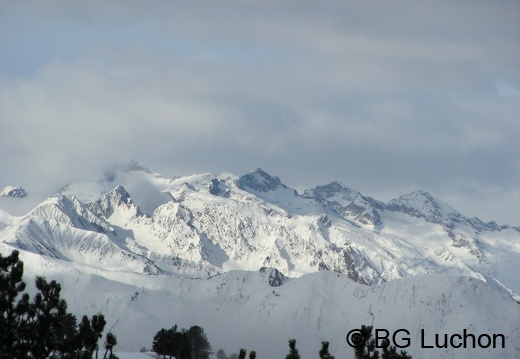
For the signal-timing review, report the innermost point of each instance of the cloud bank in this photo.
(387, 98)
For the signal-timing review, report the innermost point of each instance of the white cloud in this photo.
(387, 98)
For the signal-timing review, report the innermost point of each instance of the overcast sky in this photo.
(386, 97)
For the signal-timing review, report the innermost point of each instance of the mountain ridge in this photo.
(251, 255)
(206, 224)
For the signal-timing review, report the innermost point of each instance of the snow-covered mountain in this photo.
(261, 310)
(206, 224)
(137, 229)
(13, 191)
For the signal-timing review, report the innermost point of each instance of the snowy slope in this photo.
(64, 228)
(262, 310)
(5, 219)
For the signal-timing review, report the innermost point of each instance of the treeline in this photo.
(366, 347)
(183, 344)
(365, 350)
(41, 327)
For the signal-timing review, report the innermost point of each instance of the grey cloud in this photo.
(386, 98)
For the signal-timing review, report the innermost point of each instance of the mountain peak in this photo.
(130, 166)
(347, 202)
(422, 198)
(337, 185)
(274, 277)
(259, 180)
(121, 192)
(134, 166)
(422, 204)
(110, 202)
(420, 194)
(332, 190)
(13, 191)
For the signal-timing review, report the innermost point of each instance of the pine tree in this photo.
(252, 354)
(110, 343)
(221, 354)
(86, 333)
(293, 353)
(41, 328)
(68, 341)
(183, 350)
(45, 319)
(90, 333)
(390, 352)
(160, 343)
(13, 319)
(200, 347)
(98, 325)
(368, 350)
(324, 352)
(172, 343)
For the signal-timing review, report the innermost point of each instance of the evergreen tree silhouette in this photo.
(324, 352)
(293, 352)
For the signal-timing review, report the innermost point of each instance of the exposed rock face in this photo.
(13, 191)
(348, 202)
(260, 181)
(112, 201)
